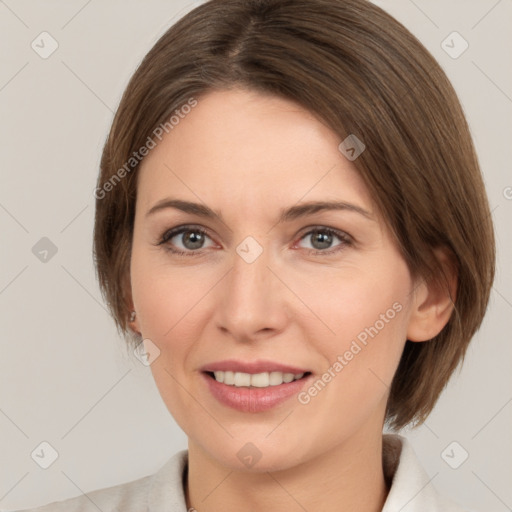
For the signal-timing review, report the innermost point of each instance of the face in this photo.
(265, 288)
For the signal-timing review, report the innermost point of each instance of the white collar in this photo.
(411, 488)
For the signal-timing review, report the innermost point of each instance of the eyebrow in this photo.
(286, 215)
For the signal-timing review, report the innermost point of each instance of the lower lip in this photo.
(254, 399)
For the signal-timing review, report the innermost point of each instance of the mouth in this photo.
(262, 386)
(255, 380)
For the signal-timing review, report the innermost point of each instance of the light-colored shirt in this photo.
(411, 488)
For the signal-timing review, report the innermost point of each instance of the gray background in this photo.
(65, 377)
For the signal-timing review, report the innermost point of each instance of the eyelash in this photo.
(345, 239)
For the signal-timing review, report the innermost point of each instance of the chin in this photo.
(240, 454)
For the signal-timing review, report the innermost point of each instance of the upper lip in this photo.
(260, 366)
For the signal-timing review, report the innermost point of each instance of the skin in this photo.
(249, 156)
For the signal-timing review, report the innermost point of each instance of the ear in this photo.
(434, 299)
(133, 324)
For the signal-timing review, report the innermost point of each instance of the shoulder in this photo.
(411, 488)
(146, 493)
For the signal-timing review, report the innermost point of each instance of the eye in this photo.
(188, 240)
(322, 239)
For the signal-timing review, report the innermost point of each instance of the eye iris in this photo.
(323, 238)
(195, 238)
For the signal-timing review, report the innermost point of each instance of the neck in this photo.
(348, 477)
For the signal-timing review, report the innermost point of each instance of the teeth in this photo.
(242, 379)
(257, 380)
(275, 378)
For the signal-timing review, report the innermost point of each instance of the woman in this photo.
(292, 231)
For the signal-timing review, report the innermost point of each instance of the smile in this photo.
(254, 392)
(257, 380)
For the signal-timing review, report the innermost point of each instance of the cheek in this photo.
(369, 317)
(166, 296)
(354, 303)
(170, 303)
(367, 314)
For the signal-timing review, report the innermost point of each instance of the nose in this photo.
(252, 302)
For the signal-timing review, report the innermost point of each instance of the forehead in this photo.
(258, 148)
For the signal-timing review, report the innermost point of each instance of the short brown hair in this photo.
(363, 73)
